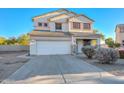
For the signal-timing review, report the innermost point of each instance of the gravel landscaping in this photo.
(10, 62)
(115, 69)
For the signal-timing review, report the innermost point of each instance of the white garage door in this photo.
(53, 47)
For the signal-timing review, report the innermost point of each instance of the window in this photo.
(58, 26)
(123, 42)
(86, 26)
(45, 24)
(76, 25)
(121, 29)
(39, 24)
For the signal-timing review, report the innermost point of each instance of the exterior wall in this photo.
(118, 39)
(51, 43)
(74, 47)
(82, 20)
(33, 47)
(63, 16)
(51, 24)
(44, 19)
(66, 21)
(13, 48)
(119, 36)
(66, 25)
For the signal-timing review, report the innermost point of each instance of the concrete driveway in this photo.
(60, 69)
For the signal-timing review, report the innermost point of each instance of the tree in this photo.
(21, 40)
(110, 42)
(2, 40)
(11, 41)
(98, 32)
(24, 39)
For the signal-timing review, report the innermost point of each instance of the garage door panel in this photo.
(53, 47)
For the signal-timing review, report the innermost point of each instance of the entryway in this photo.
(81, 43)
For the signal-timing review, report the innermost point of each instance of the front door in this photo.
(87, 42)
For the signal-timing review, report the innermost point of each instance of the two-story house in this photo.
(61, 32)
(119, 30)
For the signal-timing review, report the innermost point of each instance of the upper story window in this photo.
(123, 42)
(58, 26)
(39, 24)
(76, 25)
(121, 29)
(45, 24)
(42, 24)
(86, 26)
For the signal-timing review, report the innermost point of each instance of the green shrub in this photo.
(89, 51)
(121, 53)
(117, 45)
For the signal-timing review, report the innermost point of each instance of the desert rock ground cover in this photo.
(10, 62)
(115, 69)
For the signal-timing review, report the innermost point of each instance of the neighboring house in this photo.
(61, 32)
(119, 30)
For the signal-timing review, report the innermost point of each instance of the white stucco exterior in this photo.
(66, 19)
(119, 34)
(82, 20)
(60, 41)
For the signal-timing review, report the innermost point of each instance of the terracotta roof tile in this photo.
(62, 34)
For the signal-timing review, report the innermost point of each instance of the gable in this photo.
(116, 29)
(51, 14)
(61, 16)
(80, 18)
(46, 15)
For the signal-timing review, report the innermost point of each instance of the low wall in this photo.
(13, 48)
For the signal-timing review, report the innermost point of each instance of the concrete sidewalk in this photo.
(60, 70)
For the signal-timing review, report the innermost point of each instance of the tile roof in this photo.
(119, 26)
(48, 34)
(62, 34)
(67, 12)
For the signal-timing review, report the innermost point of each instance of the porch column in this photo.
(73, 43)
(98, 42)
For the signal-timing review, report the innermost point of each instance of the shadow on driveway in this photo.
(59, 69)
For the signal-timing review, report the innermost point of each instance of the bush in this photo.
(89, 51)
(107, 55)
(121, 53)
(117, 45)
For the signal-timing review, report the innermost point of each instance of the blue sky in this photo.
(17, 21)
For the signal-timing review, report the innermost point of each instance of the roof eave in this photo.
(54, 11)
